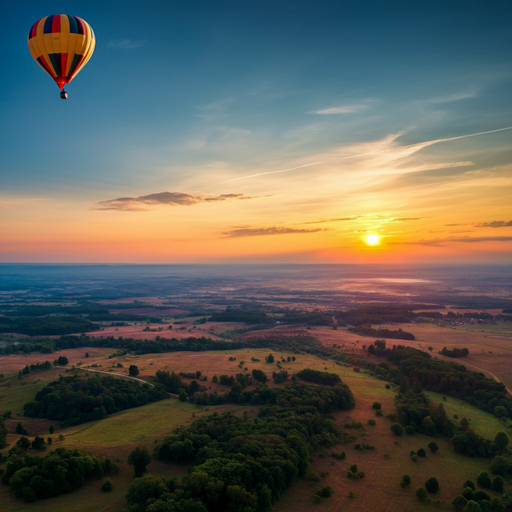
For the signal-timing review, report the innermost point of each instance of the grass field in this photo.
(118, 434)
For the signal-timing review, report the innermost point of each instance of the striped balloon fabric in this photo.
(61, 44)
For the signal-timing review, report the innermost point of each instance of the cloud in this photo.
(494, 224)
(342, 109)
(273, 230)
(472, 92)
(405, 219)
(132, 204)
(466, 239)
(331, 220)
(126, 44)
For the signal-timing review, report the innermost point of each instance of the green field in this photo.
(116, 435)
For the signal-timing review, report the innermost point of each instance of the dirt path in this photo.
(124, 377)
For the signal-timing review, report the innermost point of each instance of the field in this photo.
(119, 433)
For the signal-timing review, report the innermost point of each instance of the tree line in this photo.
(77, 399)
(61, 471)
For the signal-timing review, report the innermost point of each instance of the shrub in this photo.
(421, 494)
(406, 480)
(379, 412)
(339, 456)
(376, 406)
(107, 485)
(20, 429)
(372, 422)
(397, 429)
(432, 485)
(409, 430)
(325, 492)
(51, 429)
(433, 447)
(422, 453)
(484, 480)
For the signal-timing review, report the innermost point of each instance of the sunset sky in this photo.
(262, 131)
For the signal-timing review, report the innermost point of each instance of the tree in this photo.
(409, 430)
(397, 429)
(472, 506)
(139, 458)
(406, 480)
(497, 505)
(107, 485)
(20, 429)
(499, 466)
(259, 375)
(51, 429)
(270, 359)
(87, 354)
(470, 484)
(23, 443)
(501, 441)
(484, 480)
(497, 484)
(376, 405)
(422, 453)
(432, 485)
(433, 447)
(133, 370)
(38, 443)
(183, 395)
(3, 433)
(459, 502)
(62, 361)
(421, 494)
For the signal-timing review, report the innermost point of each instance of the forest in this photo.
(77, 399)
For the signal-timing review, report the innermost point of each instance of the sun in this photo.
(372, 240)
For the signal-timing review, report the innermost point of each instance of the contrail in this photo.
(271, 172)
(429, 142)
(459, 137)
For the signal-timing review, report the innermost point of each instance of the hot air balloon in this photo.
(61, 44)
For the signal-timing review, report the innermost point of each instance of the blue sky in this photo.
(190, 96)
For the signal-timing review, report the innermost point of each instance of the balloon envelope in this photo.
(61, 44)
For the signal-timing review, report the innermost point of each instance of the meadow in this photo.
(116, 435)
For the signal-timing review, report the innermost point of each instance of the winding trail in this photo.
(124, 377)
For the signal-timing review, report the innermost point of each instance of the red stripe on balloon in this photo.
(34, 28)
(56, 24)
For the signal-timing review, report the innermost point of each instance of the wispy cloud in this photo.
(494, 224)
(272, 230)
(132, 204)
(340, 219)
(469, 93)
(126, 44)
(466, 240)
(272, 172)
(343, 109)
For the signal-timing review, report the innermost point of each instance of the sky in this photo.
(262, 132)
